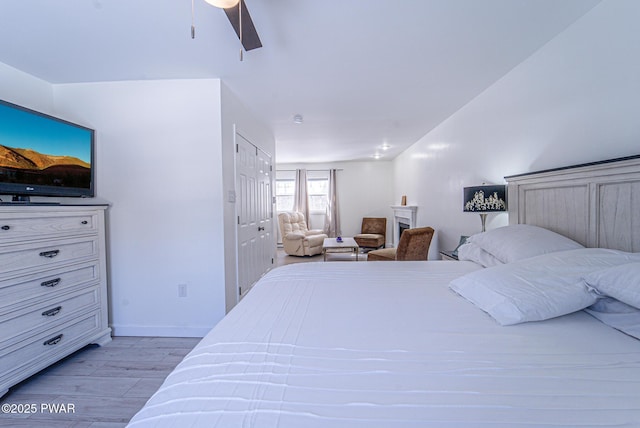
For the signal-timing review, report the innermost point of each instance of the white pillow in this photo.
(521, 241)
(538, 288)
(620, 282)
(472, 252)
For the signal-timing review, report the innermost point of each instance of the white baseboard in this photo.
(159, 331)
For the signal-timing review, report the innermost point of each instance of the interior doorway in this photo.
(254, 211)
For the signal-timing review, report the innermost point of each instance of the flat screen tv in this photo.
(41, 155)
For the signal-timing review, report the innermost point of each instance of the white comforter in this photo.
(389, 345)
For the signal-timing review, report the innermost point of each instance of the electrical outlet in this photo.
(182, 290)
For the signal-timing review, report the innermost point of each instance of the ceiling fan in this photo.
(240, 19)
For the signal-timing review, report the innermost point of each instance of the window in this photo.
(284, 194)
(317, 190)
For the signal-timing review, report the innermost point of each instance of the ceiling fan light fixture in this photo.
(223, 4)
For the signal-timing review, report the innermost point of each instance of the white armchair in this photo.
(297, 239)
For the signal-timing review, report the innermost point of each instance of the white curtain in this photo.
(300, 200)
(332, 214)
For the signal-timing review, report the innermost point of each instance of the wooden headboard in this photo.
(596, 204)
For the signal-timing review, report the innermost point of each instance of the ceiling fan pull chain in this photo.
(240, 19)
(193, 24)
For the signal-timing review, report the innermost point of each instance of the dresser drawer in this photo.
(20, 227)
(44, 346)
(45, 255)
(47, 285)
(47, 313)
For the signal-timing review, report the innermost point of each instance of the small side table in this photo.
(449, 255)
(348, 245)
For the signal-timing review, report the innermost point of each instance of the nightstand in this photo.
(449, 255)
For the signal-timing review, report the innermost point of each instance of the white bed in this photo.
(389, 344)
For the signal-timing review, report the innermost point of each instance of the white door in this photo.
(254, 212)
(265, 212)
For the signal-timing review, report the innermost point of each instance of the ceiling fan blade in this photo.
(250, 39)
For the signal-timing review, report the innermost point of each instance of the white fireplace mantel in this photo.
(403, 214)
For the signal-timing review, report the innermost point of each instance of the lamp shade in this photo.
(484, 199)
(223, 4)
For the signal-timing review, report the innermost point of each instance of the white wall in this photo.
(159, 164)
(365, 189)
(26, 90)
(576, 100)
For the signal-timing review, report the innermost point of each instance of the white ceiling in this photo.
(361, 72)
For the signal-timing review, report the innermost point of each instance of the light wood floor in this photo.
(105, 385)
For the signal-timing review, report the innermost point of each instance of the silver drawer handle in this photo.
(52, 312)
(50, 254)
(51, 282)
(53, 341)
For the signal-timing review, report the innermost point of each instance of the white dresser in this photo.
(53, 286)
